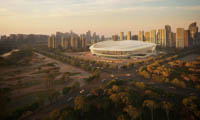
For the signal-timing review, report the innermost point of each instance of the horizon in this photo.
(105, 17)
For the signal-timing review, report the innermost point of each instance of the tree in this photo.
(151, 105)
(166, 106)
(80, 103)
(132, 112)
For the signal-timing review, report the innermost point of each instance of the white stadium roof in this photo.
(123, 45)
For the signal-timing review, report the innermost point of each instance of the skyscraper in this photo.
(129, 35)
(161, 37)
(74, 42)
(168, 35)
(88, 37)
(186, 38)
(65, 42)
(94, 37)
(141, 36)
(83, 41)
(147, 36)
(193, 32)
(153, 36)
(121, 35)
(180, 38)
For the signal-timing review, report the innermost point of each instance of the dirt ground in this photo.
(30, 80)
(89, 56)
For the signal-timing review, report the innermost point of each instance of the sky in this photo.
(106, 17)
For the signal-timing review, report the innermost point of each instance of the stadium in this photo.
(123, 48)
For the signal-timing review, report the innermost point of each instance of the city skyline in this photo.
(105, 17)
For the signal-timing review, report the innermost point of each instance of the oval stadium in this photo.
(123, 48)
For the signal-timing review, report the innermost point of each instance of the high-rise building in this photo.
(115, 37)
(161, 37)
(102, 38)
(88, 37)
(135, 37)
(193, 32)
(52, 43)
(65, 42)
(186, 38)
(74, 42)
(94, 37)
(141, 36)
(83, 41)
(153, 36)
(129, 35)
(180, 38)
(121, 35)
(147, 36)
(168, 35)
(173, 41)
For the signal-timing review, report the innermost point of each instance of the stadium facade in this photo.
(123, 48)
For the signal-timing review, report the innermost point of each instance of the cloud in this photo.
(188, 7)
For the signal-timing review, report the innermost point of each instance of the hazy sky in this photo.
(103, 16)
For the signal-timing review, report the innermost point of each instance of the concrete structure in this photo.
(186, 38)
(88, 37)
(147, 36)
(180, 38)
(65, 42)
(102, 38)
(74, 42)
(173, 42)
(94, 37)
(141, 36)
(153, 36)
(129, 35)
(124, 48)
(115, 37)
(168, 35)
(161, 37)
(193, 33)
(121, 35)
(83, 41)
(52, 43)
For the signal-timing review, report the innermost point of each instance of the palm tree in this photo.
(151, 105)
(166, 106)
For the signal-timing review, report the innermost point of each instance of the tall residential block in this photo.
(161, 37)
(147, 36)
(153, 36)
(65, 42)
(129, 35)
(180, 38)
(186, 38)
(88, 37)
(52, 43)
(115, 37)
(173, 42)
(121, 35)
(74, 42)
(193, 33)
(141, 36)
(83, 41)
(168, 35)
